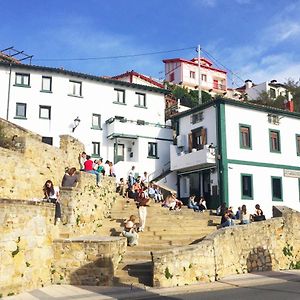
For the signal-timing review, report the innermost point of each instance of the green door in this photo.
(119, 152)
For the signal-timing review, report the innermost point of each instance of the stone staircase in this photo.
(164, 229)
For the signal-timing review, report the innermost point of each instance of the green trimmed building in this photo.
(238, 153)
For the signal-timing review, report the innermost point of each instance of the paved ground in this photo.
(259, 286)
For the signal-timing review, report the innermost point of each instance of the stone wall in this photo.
(87, 260)
(84, 208)
(29, 245)
(26, 253)
(259, 246)
(27, 163)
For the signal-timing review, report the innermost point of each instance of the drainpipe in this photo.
(8, 93)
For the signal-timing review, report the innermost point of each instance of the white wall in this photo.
(97, 97)
(260, 153)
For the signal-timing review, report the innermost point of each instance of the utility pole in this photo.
(199, 76)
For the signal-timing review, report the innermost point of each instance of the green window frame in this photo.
(277, 193)
(46, 84)
(274, 140)
(96, 121)
(22, 79)
(247, 186)
(21, 110)
(120, 96)
(96, 149)
(245, 136)
(298, 144)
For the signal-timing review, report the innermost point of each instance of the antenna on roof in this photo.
(13, 54)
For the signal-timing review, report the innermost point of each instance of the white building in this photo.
(254, 156)
(186, 73)
(272, 88)
(119, 121)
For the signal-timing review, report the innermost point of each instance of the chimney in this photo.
(248, 84)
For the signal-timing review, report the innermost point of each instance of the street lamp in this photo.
(76, 123)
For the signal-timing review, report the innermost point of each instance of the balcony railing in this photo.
(122, 127)
(183, 160)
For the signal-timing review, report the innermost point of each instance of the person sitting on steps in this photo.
(130, 232)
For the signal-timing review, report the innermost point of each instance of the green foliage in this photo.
(168, 275)
(27, 264)
(188, 97)
(264, 98)
(10, 294)
(294, 88)
(288, 252)
(78, 220)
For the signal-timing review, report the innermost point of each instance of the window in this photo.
(21, 110)
(197, 139)
(46, 84)
(274, 140)
(152, 150)
(47, 140)
(245, 136)
(203, 77)
(276, 188)
(272, 93)
(141, 100)
(172, 77)
(192, 74)
(75, 88)
(45, 112)
(22, 79)
(196, 118)
(298, 144)
(120, 96)
(246, 186)
(96, 149)
(96, 121)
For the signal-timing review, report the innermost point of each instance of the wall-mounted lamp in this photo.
(76, 123)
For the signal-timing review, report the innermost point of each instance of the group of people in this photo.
(96, 167)
(242, 215)
(198, 206)
(51, 192)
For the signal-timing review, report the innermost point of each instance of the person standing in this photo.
(142, 203)
(51, 194)
(131, 176)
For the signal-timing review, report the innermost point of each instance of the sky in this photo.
(257, 40)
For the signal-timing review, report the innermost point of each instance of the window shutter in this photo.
(190, 142)
(203, 136)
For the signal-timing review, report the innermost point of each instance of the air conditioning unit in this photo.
(181, 140)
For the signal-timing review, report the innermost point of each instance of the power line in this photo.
(114, 57)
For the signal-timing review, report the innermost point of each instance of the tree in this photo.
(264, 98)
(294, 88)
(188, 97)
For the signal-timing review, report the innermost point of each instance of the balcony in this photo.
(121, 127)
(201, 158)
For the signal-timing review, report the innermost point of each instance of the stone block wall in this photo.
(27, 163)
(87, 260)
(84, 208)
(26, 252)
(259, 246)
